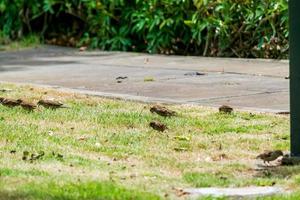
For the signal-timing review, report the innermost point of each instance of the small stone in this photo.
(51, 133)
(97, 144)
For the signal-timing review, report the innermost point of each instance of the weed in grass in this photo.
(96, 136)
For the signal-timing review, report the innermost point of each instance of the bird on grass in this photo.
(27, 105)
(225, 109)
(10, 102)
(162, 111)
(158, 126)
(269, 156)
(53, 104)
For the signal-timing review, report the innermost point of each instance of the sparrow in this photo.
(225, 109)
(270, 155)
(10, 102)
(158, 126)
(27, 105)
(51, 104)
(162, 111)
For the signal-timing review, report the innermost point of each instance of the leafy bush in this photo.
(232, 28)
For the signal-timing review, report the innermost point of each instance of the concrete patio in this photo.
(259, 85)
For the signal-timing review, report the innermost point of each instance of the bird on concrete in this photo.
(162, 111)
(53, 104)
(158, 126)
(10, 102)
(225, 109)
(269, 156)
(27, 105)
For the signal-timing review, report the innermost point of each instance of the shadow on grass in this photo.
(264, 177)
(279, 172)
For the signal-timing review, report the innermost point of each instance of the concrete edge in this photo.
(142, 99)
(76, 50)
(194, 57)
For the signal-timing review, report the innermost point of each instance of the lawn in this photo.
(104, 149)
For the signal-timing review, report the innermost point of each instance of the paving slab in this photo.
(236, 193)
(243, 83)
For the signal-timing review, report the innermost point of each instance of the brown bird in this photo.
(162, 111)
(270, 155)
(158, 126)
(10, 102)
(225, 109)
(51, 104)
(27, 105)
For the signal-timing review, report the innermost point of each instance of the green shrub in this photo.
(231, 28)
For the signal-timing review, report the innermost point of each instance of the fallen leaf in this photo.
(181, 192)
(182, 138)
(13, 151)
(180, 149)
(82, 138)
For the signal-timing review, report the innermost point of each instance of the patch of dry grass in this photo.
(110, 140)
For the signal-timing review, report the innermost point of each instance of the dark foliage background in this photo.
(231, 28)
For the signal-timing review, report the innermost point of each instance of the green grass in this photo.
(30, 41)
(57, 189)
(104, 149)
(149, 79)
